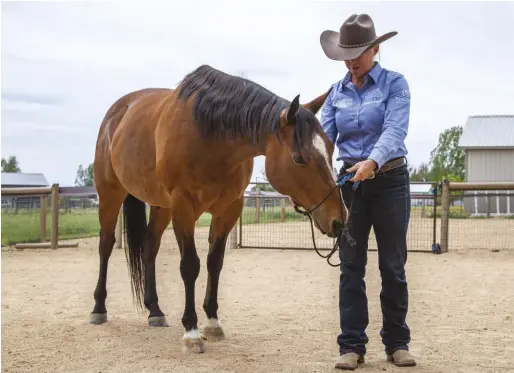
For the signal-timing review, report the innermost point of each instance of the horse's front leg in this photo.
(184, 220)
(219, 231)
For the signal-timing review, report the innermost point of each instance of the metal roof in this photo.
(488, 131)
(418, 188)
(22, 179)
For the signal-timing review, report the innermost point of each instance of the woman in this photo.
(366, 115)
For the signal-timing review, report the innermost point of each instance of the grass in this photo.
(24, 226)
(456, 212)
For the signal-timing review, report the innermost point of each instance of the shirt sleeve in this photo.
(328, 117)
(396, 122)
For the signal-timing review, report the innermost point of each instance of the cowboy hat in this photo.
(357, 34)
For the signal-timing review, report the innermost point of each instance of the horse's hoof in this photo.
(98, 318)
(158, 321)
(213, 331)
(193, 342)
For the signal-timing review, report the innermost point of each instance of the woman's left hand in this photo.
(363, 170)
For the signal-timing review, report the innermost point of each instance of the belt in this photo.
(388, 166)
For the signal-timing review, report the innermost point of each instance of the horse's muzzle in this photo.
(337, 228)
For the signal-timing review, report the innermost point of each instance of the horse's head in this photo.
(302, 169)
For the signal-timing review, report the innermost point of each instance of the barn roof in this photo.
(10, 179)
(488, 131)
(418, 188)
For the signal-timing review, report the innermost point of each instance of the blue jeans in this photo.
(384, 203)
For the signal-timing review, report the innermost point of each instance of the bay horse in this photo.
(190, 150)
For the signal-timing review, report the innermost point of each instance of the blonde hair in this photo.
(376, 57)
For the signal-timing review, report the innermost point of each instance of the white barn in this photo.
(488, 144)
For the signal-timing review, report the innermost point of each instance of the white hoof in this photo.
(213, 331)
(158, 321)
(98, 318)
(192, 342)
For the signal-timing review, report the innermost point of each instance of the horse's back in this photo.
(149, 146)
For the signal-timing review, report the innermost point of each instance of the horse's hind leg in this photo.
(159, 220)
(218, 234)
(108, 209)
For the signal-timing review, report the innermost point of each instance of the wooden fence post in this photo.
(119, 230)
(55, 216)
(257, 208)
(43, 202)
(445, 216)
(232, 238)
(282, 210)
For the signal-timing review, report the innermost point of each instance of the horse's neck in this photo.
(237, 151)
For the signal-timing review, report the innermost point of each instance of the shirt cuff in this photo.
(378, 158)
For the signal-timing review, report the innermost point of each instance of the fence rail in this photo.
(475, 226)
(449, 216)
(20, 207)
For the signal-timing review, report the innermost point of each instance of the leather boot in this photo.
(402, 358)
(349, 361)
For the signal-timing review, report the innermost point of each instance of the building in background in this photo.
(22, 180)
(488, 144)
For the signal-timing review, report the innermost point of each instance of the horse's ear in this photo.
(293, 108)
(317, 103)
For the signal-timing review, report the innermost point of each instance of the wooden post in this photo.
(42, 218)
(488, 199)
(55, 216)
(282, 210)
(445, 216)
(257, 209)
(119, 230)
(232, 238)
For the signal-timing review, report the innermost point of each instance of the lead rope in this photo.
(345, 232)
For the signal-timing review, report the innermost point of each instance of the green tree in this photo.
(447, 159)
(10, 164)
(263, 187)
(420, 174)
(84, 176)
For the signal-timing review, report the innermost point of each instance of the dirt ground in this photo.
(279, 310)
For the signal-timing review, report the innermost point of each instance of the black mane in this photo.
(226, 106)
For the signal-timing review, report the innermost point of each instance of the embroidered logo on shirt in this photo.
(373, 96)
(343, 103)
(403, 96)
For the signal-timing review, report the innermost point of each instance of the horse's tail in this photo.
(134, 212)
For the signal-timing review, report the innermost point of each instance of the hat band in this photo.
(357, 45)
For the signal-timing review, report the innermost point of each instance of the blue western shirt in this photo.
(370, 123)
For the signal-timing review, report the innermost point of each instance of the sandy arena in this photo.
(279, 310)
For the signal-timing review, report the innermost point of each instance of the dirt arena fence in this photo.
(444, 216)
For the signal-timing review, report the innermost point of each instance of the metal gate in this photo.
(268, 221)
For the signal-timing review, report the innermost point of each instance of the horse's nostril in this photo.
(337, 227)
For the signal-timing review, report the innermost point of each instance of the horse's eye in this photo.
(298, 159)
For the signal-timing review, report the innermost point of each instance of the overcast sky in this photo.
(64, 63)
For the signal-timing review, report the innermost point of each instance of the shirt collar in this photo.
(374, 73)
